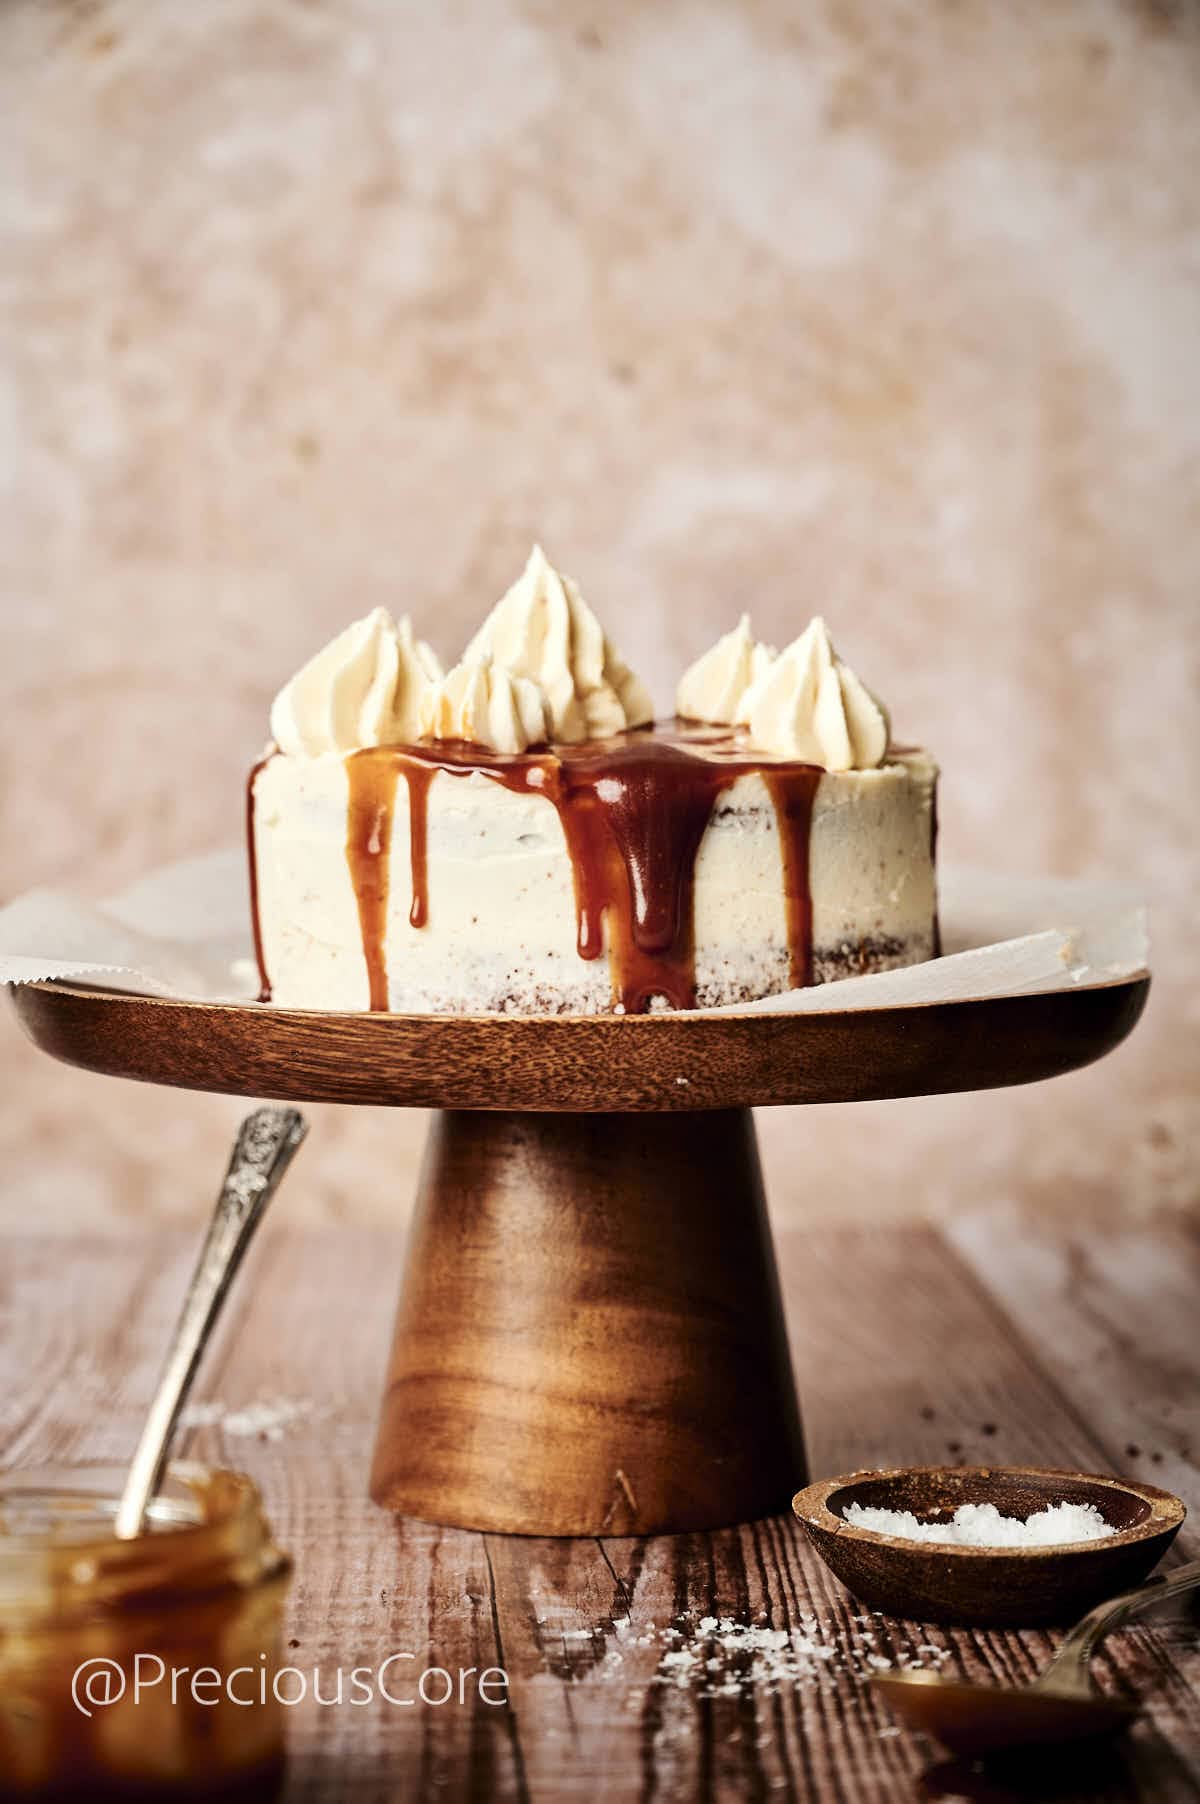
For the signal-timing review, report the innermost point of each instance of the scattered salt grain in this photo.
(730, 1658)
(982, 1525)
(266, 1420)
(739, 1657)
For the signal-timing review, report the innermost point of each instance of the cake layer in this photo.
(686, 872)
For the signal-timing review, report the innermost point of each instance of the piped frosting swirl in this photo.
(541, 669)
(714, 688)
(363, 688)
(543, 630)
(484, 704)
(806, 704)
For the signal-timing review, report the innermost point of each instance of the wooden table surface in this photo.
(984, 1343)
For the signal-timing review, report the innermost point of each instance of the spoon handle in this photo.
(1071, 1660)
(262, 1152)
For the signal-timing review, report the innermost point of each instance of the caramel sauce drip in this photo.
(264, 982)
(418, 778)
(368, 851)
(420, 766)
(634, 813)
(633, 809)
(793, 793)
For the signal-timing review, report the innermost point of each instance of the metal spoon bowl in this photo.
(1063, 1705)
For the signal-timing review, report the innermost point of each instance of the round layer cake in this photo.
(518, 835)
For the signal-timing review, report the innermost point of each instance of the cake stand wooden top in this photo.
(647, 1063)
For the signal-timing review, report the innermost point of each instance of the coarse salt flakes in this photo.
(982, 1525)
(722, 1657)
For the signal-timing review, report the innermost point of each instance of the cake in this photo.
(519, 834)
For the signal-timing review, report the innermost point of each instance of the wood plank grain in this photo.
(83, 1327)
(368, 1586)
(875, 1317)
(905, 1356)
(1116, 1319)
(901, 1355)
(643, 1714)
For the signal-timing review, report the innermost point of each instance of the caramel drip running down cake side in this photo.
(369, 817)
(260, 958)
(633, 813)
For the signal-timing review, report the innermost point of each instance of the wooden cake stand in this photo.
(590, 1338)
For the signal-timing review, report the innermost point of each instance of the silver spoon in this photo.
(262, 1152)
(1062, 1705)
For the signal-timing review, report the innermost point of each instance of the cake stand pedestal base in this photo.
(590, 1337)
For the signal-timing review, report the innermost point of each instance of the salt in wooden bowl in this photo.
(987, 1587)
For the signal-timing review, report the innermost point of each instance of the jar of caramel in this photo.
(140, 1669)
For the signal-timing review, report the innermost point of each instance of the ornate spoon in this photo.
(262, 1152)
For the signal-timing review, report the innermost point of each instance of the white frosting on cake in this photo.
(807, 704)
(484, 704)
(543, 630)
(714, 688)
(501, 927)
(363, 688)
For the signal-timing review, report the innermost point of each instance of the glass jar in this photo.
(105, 1645)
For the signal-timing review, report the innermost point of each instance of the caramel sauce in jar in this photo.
(87, 1621)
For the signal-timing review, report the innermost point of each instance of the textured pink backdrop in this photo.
(888, 310)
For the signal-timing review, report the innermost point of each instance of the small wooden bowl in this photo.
(985, 1587)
